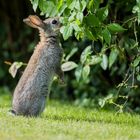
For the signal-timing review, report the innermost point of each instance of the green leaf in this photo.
(138, 77)
(78, 72)
(69, 2)
(136, 61)
(112, 57)
(86, 52)
(14, 67)
(84, 4)
(85, 72)
(80, 16)
(35, 4)
(104, 63)
(102, 103)
(76, 26)
(64, 20)
(48, 8)
(78, 5)
(61, 9)
(136, 9)
(92, 20)
(78, 34)
(107, 36)
(89, 34)
(72, 4)
(72, 17)
(114, 27)
(95, 60)
(90, 5)
(73, 51)
(66, 31)
(102, 13)
(67, 66)
(60, 4)
(43, 5)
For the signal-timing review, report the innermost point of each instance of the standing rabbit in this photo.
(30, 94)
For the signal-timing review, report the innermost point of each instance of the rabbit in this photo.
(29, 98)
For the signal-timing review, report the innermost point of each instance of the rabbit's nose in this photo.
(29, 23)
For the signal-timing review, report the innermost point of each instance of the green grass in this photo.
(61, 121)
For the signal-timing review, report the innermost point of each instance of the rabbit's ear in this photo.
(34, 21)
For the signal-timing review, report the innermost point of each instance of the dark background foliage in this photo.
(112, 80)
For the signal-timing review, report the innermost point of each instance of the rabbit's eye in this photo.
(54, 21)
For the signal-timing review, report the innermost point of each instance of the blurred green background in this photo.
(114, 85)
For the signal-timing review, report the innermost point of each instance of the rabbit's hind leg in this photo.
(37, 107)
(12, 112)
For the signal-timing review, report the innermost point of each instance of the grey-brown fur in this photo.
(30, 94)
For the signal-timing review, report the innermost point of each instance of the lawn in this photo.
(63, 121)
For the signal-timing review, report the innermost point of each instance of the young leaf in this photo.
(73, 51)
(78, 34)
(136, 9)
(48, 7)
(89, 34)
(104, 63)
(43, 5)
(72, 17)
(92, 20)
(14, 67)
(106, 35)
(64, 20)
(114, 27)
(78, 5)
(75, 27)
(69, 2)
(95, 60)
(102, 13)
(138, 77)
(90, 5)
(66, 31)
(83, 3)
(136, 61)
(85, 54)
(112, 57)
(67, 66)
(72, 4)
(86, 71)
(35, 4)
(102, 102)
(61, 9)
(78, 72)
(60, 4)
(80, 16)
